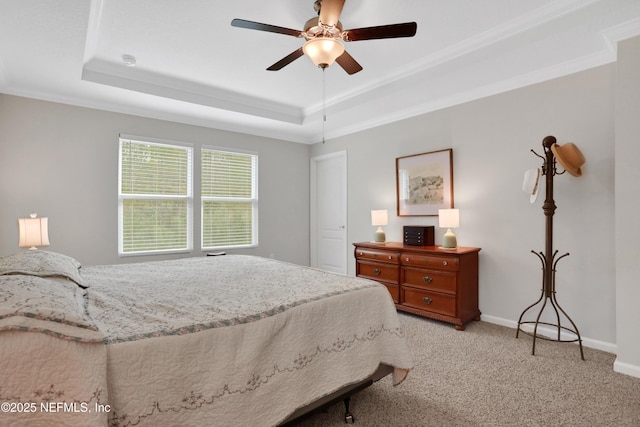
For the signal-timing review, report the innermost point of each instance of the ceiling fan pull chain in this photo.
(324, 101)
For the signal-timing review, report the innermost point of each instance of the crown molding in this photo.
(490, 89)
(120, 76)
(613, 36)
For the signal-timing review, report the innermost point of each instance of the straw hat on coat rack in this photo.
(570, 157)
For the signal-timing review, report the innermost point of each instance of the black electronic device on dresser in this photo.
(418, 235)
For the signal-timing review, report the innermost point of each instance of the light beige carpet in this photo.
(484, 376)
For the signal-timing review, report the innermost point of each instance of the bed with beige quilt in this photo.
(204, 341)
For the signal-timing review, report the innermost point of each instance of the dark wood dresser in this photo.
(429, 281)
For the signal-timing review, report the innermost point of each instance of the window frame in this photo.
(189, 197)
(254, 199)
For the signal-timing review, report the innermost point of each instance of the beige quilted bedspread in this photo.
(217, 341)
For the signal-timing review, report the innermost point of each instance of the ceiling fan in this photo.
(323, 34)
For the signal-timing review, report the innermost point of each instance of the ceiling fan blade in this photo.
(251, 25)
(407, 29)
(286, 60)
(330, 11)
(349, 64)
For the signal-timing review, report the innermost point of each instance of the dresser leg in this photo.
(459, 327)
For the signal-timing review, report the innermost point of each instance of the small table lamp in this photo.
(379, 218)
(33, 232)
(449, 218)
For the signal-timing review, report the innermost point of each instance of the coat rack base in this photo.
(559, 329)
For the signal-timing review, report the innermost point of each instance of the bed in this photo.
(217, 341)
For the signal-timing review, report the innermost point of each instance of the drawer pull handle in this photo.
(407, 259)
(377, 271)
(360, 254)
(389, 256)
(427, 300)
(427, 279)
(445, 263)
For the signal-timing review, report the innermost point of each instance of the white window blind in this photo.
(229, 199)
(155, 197)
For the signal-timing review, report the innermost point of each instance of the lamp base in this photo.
(380, 236)
(449, 240)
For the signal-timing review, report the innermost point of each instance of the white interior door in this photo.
(329, 212)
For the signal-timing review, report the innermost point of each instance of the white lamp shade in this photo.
(33, 232)
(323, 51)
(379, 217)
(449, 218)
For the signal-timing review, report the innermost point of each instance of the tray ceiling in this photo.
(193, 67)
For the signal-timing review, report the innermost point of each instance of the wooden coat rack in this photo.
(549, 261)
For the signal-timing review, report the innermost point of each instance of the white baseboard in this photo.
(620, 367)
(626, 368)
(548, 331)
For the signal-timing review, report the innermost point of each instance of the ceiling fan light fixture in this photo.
(323, 51)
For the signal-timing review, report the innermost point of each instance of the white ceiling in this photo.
(193, 67)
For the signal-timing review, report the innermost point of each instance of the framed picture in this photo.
(424, 183)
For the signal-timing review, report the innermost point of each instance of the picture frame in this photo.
(424, 183)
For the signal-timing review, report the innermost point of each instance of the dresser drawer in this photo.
(443, 263)
(429, 279)
(429, 301)
(379, 272)
(374, 255)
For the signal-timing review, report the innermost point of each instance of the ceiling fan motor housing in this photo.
(314, 28)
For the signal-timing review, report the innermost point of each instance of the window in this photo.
(229, 198)
(155, 197)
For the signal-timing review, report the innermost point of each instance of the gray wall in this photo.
(627, 205)
(62, 162)
(491, 140)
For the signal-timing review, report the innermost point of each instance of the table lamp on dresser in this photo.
(449, 218)
(379, 218)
